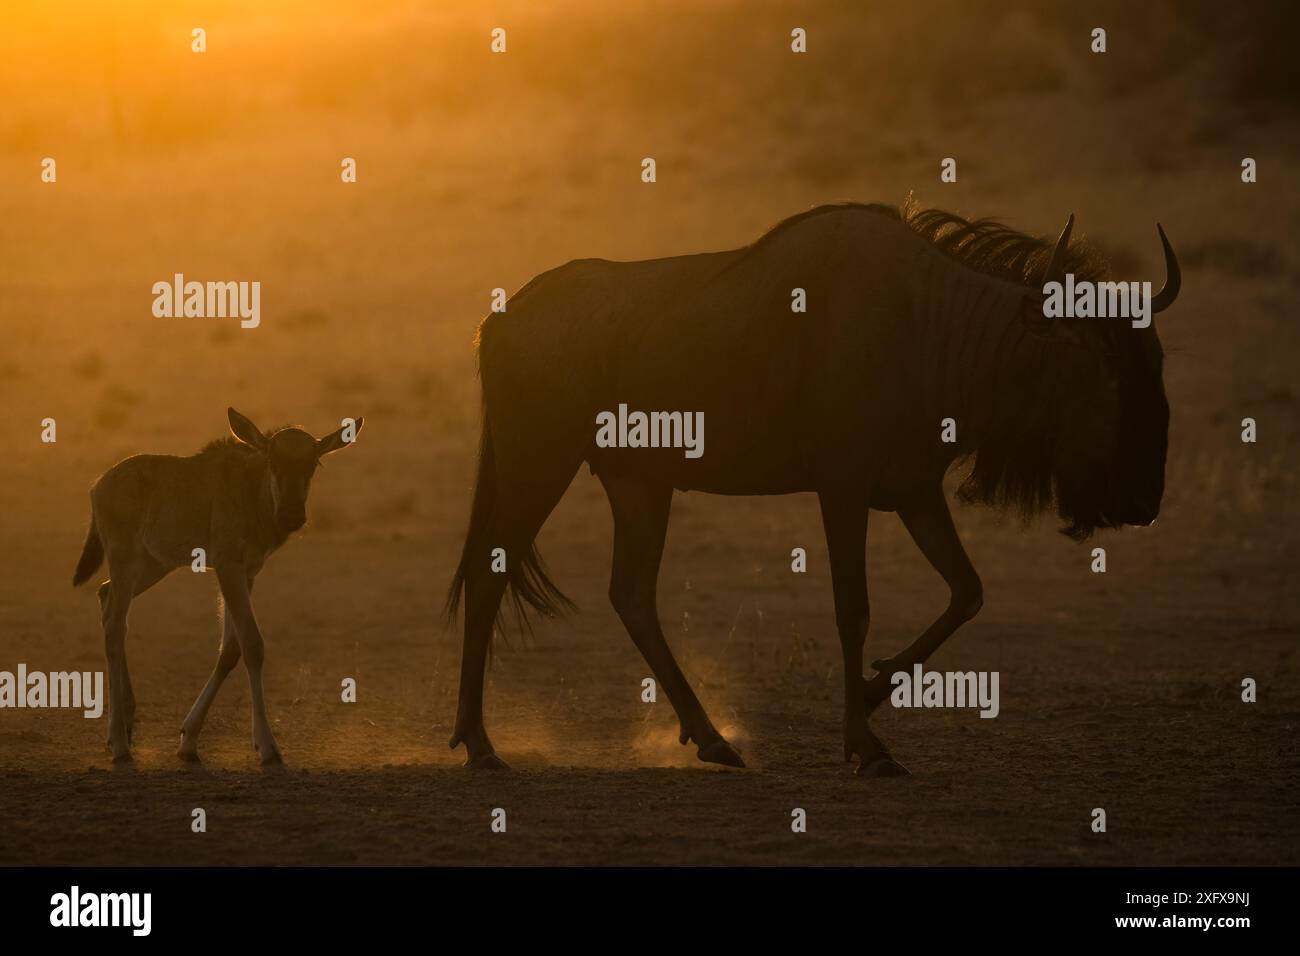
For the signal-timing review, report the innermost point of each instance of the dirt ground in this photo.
(1118, 690)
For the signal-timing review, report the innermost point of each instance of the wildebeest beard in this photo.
(1029, 452)
(1025, 479)
(1021, 463)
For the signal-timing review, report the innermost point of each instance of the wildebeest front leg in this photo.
(235, 591)
(844, 517)
(929, 522)
(227, 658)
(640, 525)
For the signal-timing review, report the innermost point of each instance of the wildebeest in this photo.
(913, 316)
(238, 499)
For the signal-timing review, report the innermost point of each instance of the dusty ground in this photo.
(1118, 691)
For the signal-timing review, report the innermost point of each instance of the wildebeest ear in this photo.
(243, 429)
(339, 439)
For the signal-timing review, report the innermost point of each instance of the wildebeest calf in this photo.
(238, 499)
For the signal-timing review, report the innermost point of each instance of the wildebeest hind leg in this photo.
(929, 522)
(528, 488)
(483, 594)
(640, 523)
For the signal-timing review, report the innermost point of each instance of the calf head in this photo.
(292, 456)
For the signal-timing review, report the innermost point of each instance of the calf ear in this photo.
(339, 439)
(243, 429)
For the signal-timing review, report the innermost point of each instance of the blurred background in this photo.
(478, 170)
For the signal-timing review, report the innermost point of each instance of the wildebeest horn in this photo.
(1173, 276)
(1056, 264)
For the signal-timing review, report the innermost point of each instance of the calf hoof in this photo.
(270, 755)
(188, 752)
(882, 766)
(488, 761)
(122, 756)
(720, 752)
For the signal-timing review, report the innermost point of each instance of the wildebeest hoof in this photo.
(488, 761)
(270, 755)
(189, 754)
(122, 756)
(882, 766)
(719, 751)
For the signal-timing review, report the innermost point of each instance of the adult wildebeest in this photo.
(913, 316)
(238, 499)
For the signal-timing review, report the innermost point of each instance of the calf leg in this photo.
(103, 593)
(130, 576)
(235, 590)
(929, 522)
(640, 525)
(227, 658)
(114, 605)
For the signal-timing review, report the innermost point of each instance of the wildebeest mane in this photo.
(995, 249)
(985, 245)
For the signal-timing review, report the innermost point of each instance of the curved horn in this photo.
(1173, 276)
(1056, 264)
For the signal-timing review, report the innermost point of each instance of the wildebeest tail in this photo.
(92, 555)
(527, 580)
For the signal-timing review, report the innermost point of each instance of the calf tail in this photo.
(92, 555)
